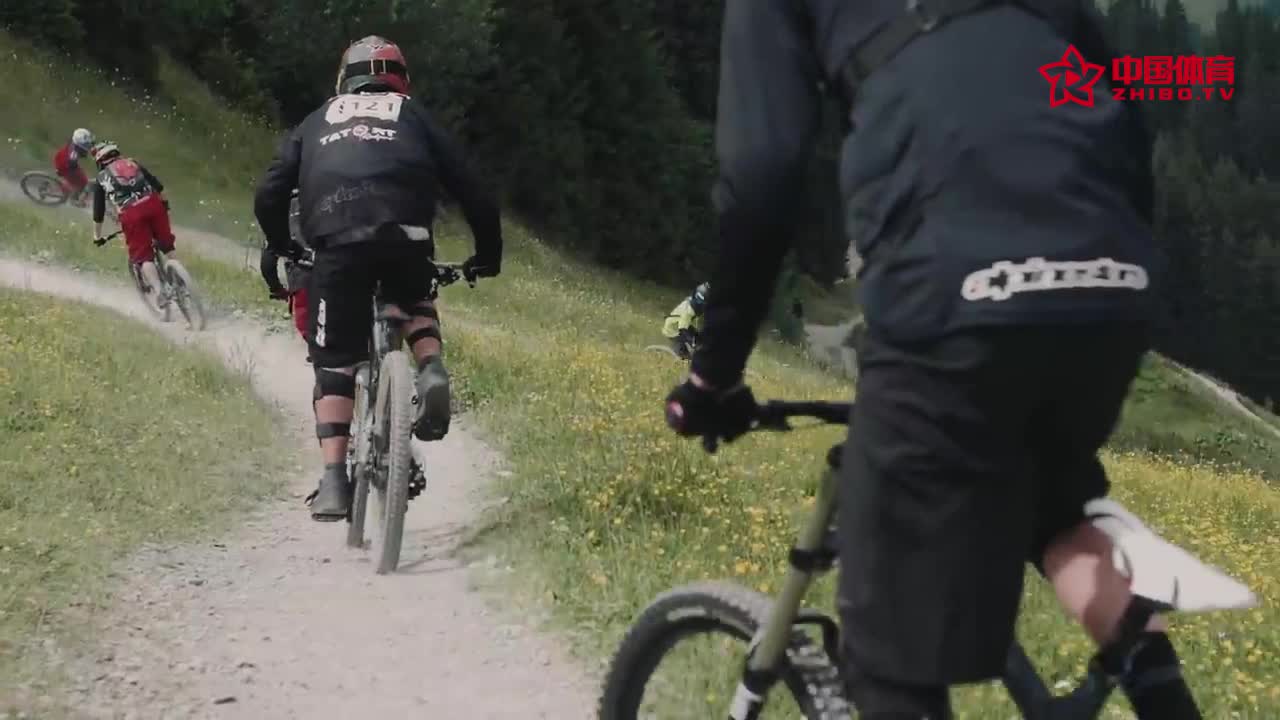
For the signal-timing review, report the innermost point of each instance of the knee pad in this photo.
(334, 382)
(422, 334)
(879, 699)
(425, 310)
(428, 312)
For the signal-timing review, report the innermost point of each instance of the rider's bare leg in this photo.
(1079, 564)
(151, 275)
(334, 405)
(427, 345)
(422, 333)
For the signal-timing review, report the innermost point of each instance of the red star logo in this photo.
(1071, 79)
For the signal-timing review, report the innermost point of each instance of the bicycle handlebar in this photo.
(445, 273)
(773, 415)
(103, 240)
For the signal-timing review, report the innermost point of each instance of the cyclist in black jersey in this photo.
(369, 166)
(1008, 288)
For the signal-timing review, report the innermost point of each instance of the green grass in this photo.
(1169, 414)
(110, 437)
(610, 509)
(209, 156)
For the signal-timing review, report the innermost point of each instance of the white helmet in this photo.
(82, 139)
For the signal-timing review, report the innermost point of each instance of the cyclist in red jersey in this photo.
(144, 213)
(66, 161)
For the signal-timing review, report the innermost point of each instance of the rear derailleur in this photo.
(417, 480)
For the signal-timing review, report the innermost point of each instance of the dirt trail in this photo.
(280, 620)
(827, 342)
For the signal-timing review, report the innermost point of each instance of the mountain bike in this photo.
(778, 649)
(176, 287)
(379, 454)
(693, 346)
(49, 190)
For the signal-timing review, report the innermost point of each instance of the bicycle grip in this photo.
(675, 416)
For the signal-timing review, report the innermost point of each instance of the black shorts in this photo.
(340, 297)
(967, 455)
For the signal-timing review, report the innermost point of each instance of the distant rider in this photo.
(143, 211)
(66, 161)
(684, 324)
(297, 272)
(368, 164)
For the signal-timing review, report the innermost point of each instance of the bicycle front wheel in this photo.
(43, 189)
(360, 458)
(683, 659)
(184, 293)
(395, 393)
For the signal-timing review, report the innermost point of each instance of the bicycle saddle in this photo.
(1161, 571)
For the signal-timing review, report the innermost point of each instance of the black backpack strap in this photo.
(921, 16)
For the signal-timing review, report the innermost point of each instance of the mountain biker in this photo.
(297, 275)
(143, 211)
(1007, 288)
(66, 161)
(685, 321)
(367, 164)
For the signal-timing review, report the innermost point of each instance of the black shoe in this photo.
(432, 385)
(331, 501)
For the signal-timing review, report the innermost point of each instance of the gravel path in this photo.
(280, 620)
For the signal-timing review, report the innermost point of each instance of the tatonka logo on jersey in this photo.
(360, 132)
(1007, 278)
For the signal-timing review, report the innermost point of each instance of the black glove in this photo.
(100, 241)
(711, 414)
(473, 267)
(270, 270)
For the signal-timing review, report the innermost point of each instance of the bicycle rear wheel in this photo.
(184, 293)
(360, 459)
(662, 349)
(395, 393)
(701, 683)
(148, 298)
(43, 189)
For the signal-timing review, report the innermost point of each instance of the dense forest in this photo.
(595, 119)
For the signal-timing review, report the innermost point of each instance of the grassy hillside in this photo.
(607, 507)
(101, 449)
(208, 156)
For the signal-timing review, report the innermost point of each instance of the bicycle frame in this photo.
(813, 555)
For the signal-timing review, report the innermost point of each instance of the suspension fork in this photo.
(811, 556)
